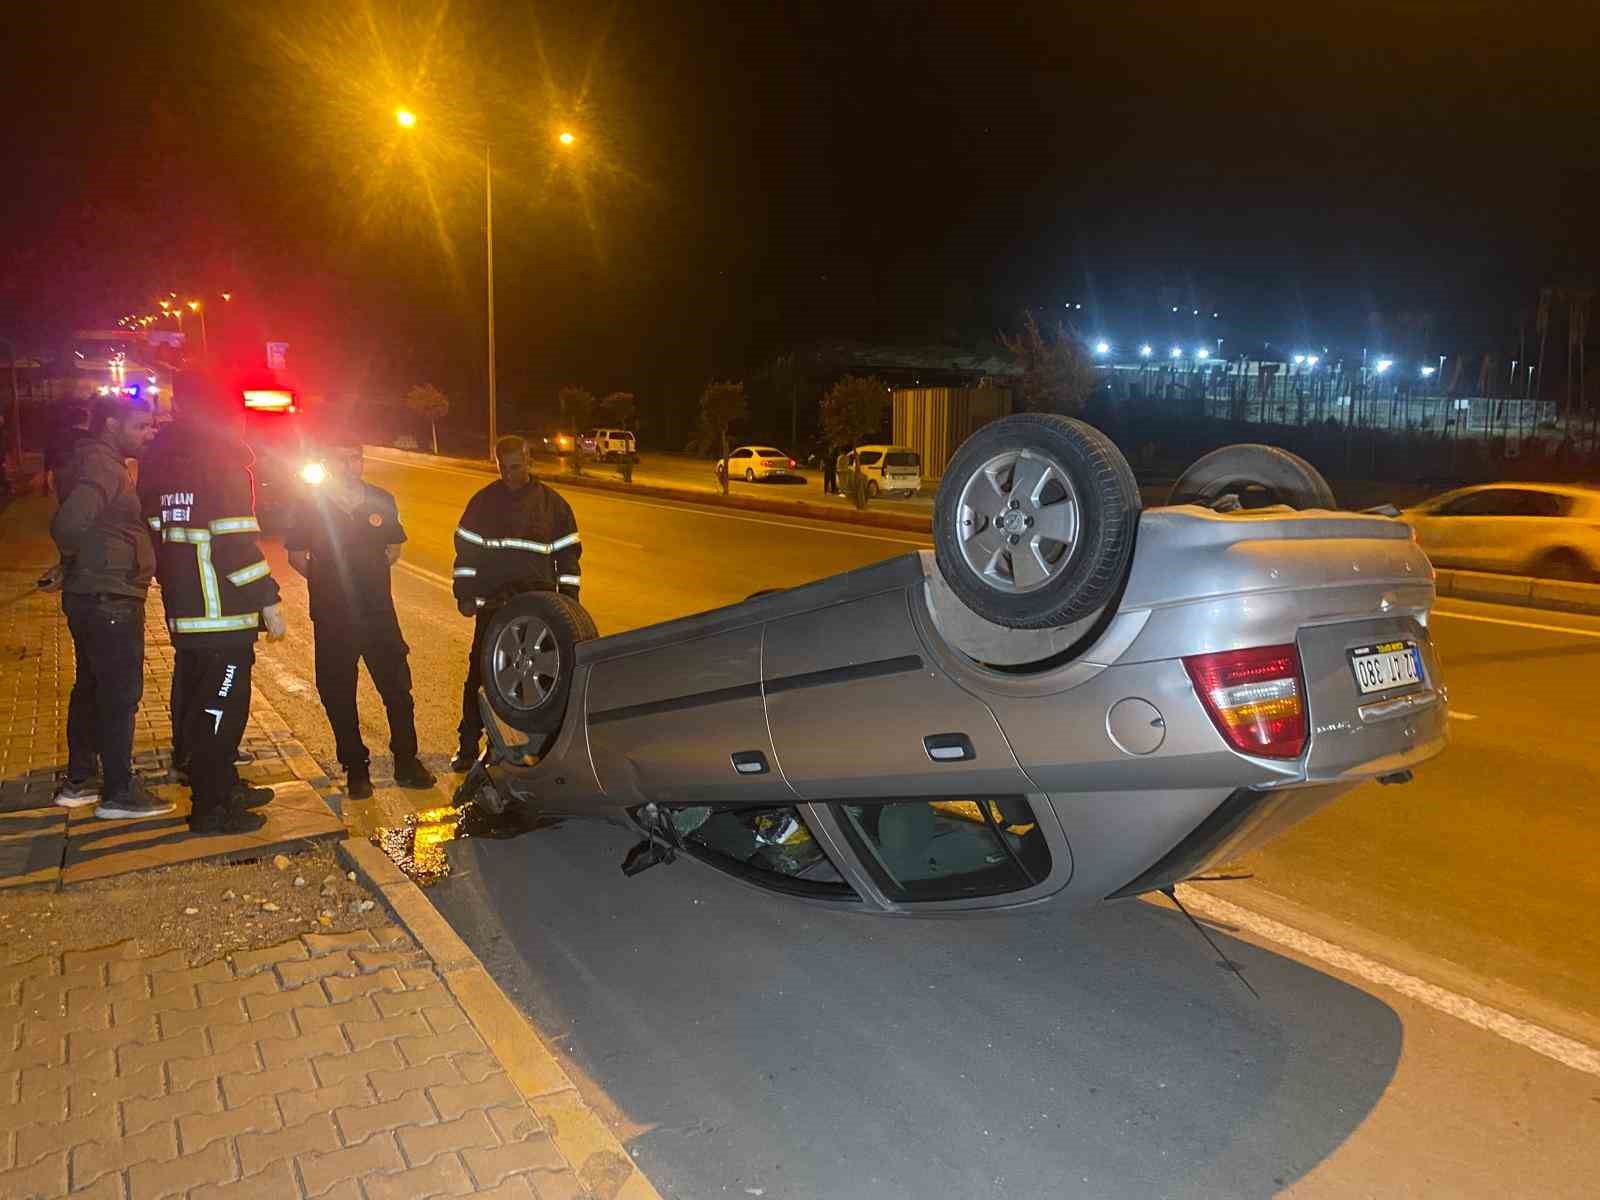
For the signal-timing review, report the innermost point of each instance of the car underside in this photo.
(973, 728)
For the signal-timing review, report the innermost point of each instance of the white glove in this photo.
(272, 618)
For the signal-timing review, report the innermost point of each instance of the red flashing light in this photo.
(1254, 697)
(269, 400)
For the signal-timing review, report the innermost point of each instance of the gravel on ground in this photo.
(208, 910)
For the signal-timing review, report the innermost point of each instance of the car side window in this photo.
(740, 454)
(771, 847)
(869, 458)
(1501, 502)
(922, 850)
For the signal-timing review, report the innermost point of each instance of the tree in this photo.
(429, 403)
(577, 412)
(853, 409)
(721, 404)
(1057, 373)
(620, 409)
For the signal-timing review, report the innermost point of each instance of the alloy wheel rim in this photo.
(526, 662)
(1017, 522)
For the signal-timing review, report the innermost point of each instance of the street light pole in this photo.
(488, 239)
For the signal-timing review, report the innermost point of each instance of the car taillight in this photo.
(1254, 697)
(792, 463)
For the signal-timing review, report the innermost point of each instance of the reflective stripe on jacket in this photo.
(516, 539)
(199, 498)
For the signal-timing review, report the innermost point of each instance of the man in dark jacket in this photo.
(515, 535)
(344, 539)
(105, 570)
(218, 592)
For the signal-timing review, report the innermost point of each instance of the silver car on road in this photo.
(1067, 701)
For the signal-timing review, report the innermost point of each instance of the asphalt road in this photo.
(755, 1043)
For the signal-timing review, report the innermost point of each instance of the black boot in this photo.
(358, 784)
(410, 773)
(466, 755)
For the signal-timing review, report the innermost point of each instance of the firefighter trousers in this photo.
(215, 696)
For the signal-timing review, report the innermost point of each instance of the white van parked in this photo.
(888, 470)
(611, 445)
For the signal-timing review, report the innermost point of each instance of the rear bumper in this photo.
(1248, 819)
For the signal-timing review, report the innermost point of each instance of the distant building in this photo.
(935, 421)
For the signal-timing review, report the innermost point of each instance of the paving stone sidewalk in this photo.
(334, 1065)
(43, 844)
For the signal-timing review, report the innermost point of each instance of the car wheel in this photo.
(1256, 474)
(749, 475)
(527, 658)
(872, 489)
(1566, 565)
(1034, 521)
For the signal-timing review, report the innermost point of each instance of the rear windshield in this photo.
(869, 458)
(771, 453)
(901, 458)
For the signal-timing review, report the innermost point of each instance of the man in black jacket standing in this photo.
(344, 539)
(515, 535)
(218, 592)
(105, 570)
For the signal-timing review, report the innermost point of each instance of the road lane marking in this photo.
(690, 508)
(1457, 715)
(1461, 616)
(1569, 1052)
(426, 575)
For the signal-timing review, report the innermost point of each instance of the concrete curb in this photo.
(789, 508)
(1554, 594)
(600, 1161)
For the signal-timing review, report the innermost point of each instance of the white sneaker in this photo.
(138, 803)
(78, 795)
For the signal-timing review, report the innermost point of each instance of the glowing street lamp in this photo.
(1299, 360)
(1102, 347)
(1202, 353)
(1177, 352)
(1312, 360)
(1384, 364)
(1427, 372)
(205, 345)
(1146, 350)
(407, 119)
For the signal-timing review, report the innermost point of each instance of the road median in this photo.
(899, 522)
(1557, 595)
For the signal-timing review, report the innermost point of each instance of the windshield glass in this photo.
(901, 458)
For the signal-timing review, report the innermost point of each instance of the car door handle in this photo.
(949, 747)
(750, 762)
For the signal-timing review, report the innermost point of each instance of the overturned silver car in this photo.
(1068, 700)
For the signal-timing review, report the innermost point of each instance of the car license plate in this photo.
(1386, 666)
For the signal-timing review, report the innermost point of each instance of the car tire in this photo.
(1249, 468)
(749, 475)
(527, 659)
(1566, 565)
(872, 489)
(1075, 484)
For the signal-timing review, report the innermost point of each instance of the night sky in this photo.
(750, 178)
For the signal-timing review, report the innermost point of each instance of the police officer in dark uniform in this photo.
(344, 539)
(515, 535)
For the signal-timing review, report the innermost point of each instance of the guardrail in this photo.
(1557, 594)
(792, 508)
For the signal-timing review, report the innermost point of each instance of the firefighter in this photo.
(516, 535)
(344, 539)
(218, 592)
